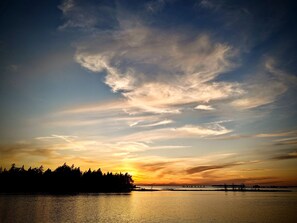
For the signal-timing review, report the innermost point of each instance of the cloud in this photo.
(14, 150)
(110, 114)
(164, 122)
(165, 69)
(108, 107)
(187, 131)
(127, 146)
(26, 154)
(292, 155)
(84, 14)
(168, 69)
(207, 4)
(246, 24)
(204, 107)
(68, 139)
(284, 153)
(266, 87)
(13, 68)
(277, 134)
(63, 137)
(155, 6)
(72, 144)
(284, 141)
(156, 166)
(210, 130)
(199, 169)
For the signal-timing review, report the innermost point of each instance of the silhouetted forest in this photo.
(64, 179)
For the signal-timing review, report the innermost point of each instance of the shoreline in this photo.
(247, 190)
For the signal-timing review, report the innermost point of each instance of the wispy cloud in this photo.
(83, 15)
(14, 150)
(187, 131)
(164, 122)
(286, 141)
(292, 155)
(266, 87)
(168, 70)
(156, 166)
(66, 138)
(184, 70)
(277, 134)
(204, 107)
(95, 108)
(199, 169)
(290, 134)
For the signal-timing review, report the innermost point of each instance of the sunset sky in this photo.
(173, 92)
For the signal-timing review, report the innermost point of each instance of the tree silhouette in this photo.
(64, 179)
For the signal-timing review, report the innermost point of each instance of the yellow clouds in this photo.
(115, 155)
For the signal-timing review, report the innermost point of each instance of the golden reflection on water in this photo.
(161, 206)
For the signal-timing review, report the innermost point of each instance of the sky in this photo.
(172, 92)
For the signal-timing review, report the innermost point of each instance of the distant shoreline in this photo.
(135, 190)
(63, 194)
(263, 190)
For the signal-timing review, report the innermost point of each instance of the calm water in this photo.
(160, 206)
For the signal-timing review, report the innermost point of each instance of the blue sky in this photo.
(170, 91)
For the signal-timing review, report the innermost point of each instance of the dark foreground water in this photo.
(157, 206)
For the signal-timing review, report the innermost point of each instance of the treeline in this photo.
(64, 179)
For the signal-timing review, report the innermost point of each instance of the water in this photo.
(156, 206)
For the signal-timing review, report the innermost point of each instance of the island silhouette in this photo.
(64, 180)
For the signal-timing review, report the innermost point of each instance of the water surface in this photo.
(156, 206)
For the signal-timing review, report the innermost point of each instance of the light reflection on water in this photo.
(157, 206)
